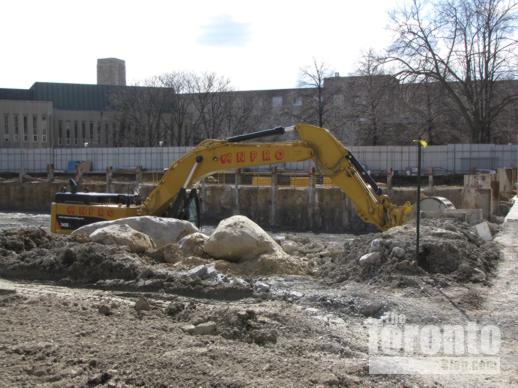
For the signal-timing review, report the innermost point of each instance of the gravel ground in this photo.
(286, 331)
(17, 220)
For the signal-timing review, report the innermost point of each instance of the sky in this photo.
(256, 44)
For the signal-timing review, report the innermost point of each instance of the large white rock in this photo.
(238, 238)
(370, 258)
(162, 231)
(123, 235)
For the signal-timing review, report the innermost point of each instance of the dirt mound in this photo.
(38, 255)
(262, 266)
(20, 240)
(82, 263)
(450, 251)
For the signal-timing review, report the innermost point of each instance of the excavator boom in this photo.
(331, 157)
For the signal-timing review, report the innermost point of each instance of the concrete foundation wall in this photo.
(288, 208)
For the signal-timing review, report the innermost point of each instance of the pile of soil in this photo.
(177, 259)
(450, 251)
(20, 240)
(35, 254)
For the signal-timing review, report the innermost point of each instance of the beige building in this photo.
(25, 123)
(359, 110)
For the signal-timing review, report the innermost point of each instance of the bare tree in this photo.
(313, 77)
(178, 116)
(466, 46)
(140, 110)
(429, 113)
(211, 100)
(246, 113)
(177, 108)
(377, 99)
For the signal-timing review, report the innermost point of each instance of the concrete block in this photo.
(7, 287)
(483, 231)
(506, 181)
(470, 216)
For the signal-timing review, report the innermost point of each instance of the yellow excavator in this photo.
(175, 197)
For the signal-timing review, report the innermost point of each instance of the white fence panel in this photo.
(452, 158)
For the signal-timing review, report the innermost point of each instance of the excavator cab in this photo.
(186, 206)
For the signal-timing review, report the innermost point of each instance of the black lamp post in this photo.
(420, 145)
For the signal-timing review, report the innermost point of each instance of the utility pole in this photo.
(420, 145)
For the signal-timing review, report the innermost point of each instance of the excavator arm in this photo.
(331, 157)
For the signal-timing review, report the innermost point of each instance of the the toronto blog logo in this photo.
(398, 347)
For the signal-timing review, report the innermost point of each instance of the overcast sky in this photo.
(256, 44)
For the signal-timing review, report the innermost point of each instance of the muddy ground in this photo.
(131, 321)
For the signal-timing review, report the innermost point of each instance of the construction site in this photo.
(217, 273)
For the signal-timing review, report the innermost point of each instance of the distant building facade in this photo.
(358, 109)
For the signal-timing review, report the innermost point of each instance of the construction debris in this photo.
(449, 250)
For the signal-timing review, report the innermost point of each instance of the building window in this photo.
(68, 133)
(297, 101)
(76, 132)
(6, 123)
(16, 125)
(92, 132)
(35, 138)
(6, 138)
(34, 123)
(106, 134)
(43, 138)
(83, 130)
(25, 131)
(60, 132)
(43, 117)
(99, 133)
(276, 101)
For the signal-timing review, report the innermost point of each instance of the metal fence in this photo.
(451, 158)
